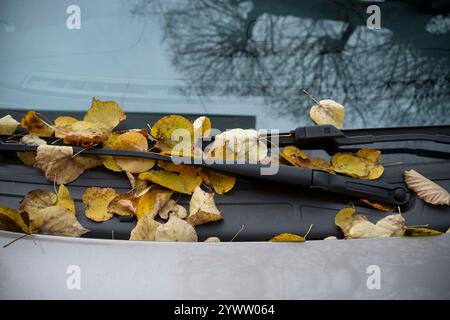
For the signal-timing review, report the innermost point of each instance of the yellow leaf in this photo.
(58, 164)
(145, 229)
(124, 204)
(82, 133)
(97, 201)
(64, 199)
(220, 182)
(87, 161)
(370, 155)
(63, 124)
(58, 221)
(110, 163)
(427, 190)
(287, 237)
(163, 129)
(8, 125)
(176, 229)
(11, 220)
(28, 158)
(36, 125)
(36, 200)
(106, 114)
(137, 185)
(328, 112)
(299, 158)
(350, 165)
(346, 218)
(151, 202)
(134, 141)
(183, 182)
(420, 232)
(202, 208)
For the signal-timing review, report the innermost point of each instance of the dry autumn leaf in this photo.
(145, 229)
(36, 200)
(87, 161)
(427, 190)
(346, 218)
(287, 237)
(299, 158)
(394, 223)
(152, 202)
(420, 232)
(11, 220)
(35, 125)
(202, 208)
(177, 230)
(212, 239)
(328, 112)
(57, 221)
(100, 119)
(367, 229)
(133, 141)
(178, 126)
(8, 125)
(183, 182)
(137, 185)
(97, 201)
(358, 166)
(64, 199)
(29, 158)
(124, 204)
(220, 182)
(172, 208)
(58, 163)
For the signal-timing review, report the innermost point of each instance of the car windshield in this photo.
(230, 57)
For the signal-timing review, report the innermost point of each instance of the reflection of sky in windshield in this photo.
(229, 57)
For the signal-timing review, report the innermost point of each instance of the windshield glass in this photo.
(230, 57)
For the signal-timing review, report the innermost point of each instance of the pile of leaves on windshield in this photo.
(155, 186)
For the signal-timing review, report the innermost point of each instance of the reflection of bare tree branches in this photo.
(222, 49)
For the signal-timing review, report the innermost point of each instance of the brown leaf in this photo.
(124, 204)
(172, 208)
(36, 125)
(57, 221)
(426, 189)
(58, 164)
(11, 220)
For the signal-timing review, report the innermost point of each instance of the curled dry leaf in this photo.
(176, 229)
(36, 200)
(328, 112)
(172, 208)
(178, 126)
(8, 125)
(367, 229)
(11, 220)
(346, 218)
(202, 208)
(57, 221)
(137, 185)
(183, 182)
(124, 204)
(427, 190)
(394, 223)
(134, 141)
(97, 201)
(299, 158)
(99, 120)
(238, 144)
(331, 238)
(287, 237)
(35, 125)
(29, 158)
(145, 229)
(420, 232)
(212, 239)
(220, 182)
(152, 202)
(64, 199)
(58, 164)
